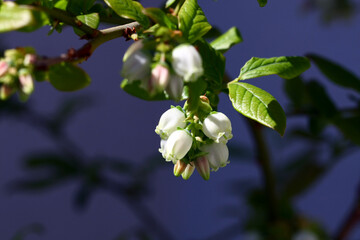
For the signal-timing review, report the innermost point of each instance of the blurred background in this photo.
(85, 165)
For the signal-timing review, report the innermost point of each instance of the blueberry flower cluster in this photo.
(192, 141)
(162, 71)
(16, 73)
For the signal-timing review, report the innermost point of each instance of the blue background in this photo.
(121, 125)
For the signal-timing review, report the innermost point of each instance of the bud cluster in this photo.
(16, 70)
(192, 141)
(163, 69)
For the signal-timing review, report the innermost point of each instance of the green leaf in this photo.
(257, 104)
(350, 127)
(68, 77)
(192, 21)
(129, 9)
(79, 6)
(336, 73)
(61, 4)
(213, 64)
(134, 88)
(192, 92)
(227, 40)
(158, 16)
(262, 3)
(14, 17)
(285, 67)
(92, 20)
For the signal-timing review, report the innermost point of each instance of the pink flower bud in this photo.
(179, 168)
(203, 167)
(3, 68)
(159, 78)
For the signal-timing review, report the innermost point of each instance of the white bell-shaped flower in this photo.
(217, 126)
(217, 155)
(187, 62)
(175, 87)
(169, 122)
(137, 67)
(177, 146)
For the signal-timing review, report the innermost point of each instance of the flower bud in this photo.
(175, 87)
(137, 67)
(304, 235)
(179, 168)
(188, 172)
(217, 155)
(136, 46)
(169, 122)
(26, 83)
(29, 59)
(159, 78)
(3, 68)
(203, 167)
(187, 62)
(217, 127)
(177, 146)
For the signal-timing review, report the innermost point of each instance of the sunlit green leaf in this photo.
(169, 3)
(285, 67)
(336, 73)
(227, 40)
(92, 20)
(129, 9)
(68, 77)
(192, 21)
(257, 104)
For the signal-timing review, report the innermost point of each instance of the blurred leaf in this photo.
(23, 233)
(192, 21)
(77, 7)
(213, 64)
(158, 16)
(350, 127)
(68, 77)
(52, 162)
(169, 3)
(320, 100)
(285, 67)
(129, 9)
(303, 179)
(262, 3)
(83, 195)
(317, 125)
(257, 104)
(134, 88)
(295, 89)
(336, 73)
(224, 42)
(92, 20)
(14, 17)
